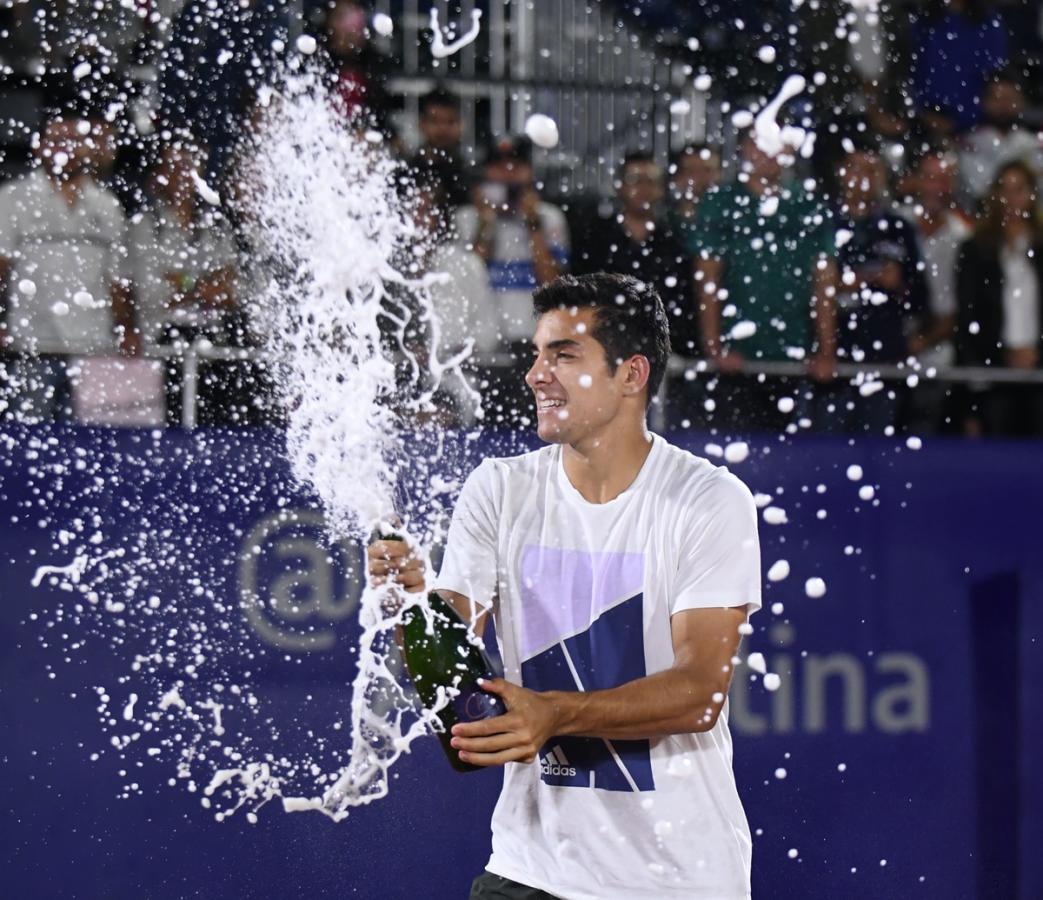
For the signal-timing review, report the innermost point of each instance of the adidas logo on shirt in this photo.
(555, 763)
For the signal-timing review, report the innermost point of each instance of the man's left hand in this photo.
(516, 736)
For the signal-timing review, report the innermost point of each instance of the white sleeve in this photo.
(469, 566)
(720, 564)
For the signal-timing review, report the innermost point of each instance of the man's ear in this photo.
(636, 372)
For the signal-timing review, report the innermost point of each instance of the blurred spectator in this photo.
(1000, 138)
(941, 228)
(359, 68)
(1000, 290)
(56, 35)
(766, 269)
(694, 170)
(882, 301)
(462, 301)
(184, 254)
(219, 51)
(441, 128)
(525, 243)
(955, 46)
(185, 263)
(639, 241)
(64, 263)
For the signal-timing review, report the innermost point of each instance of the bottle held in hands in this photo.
(445, 658)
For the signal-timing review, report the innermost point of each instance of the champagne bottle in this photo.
(446, 657)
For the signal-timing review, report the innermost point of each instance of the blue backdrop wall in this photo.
(909, 721)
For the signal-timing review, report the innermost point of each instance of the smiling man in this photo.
(618, 569)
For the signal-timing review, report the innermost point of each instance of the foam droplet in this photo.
(736, 451)
(779, 570)
(542, 131)
(815, 587)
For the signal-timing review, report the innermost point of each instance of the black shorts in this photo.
(494, 887)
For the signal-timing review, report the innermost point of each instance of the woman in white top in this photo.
(999, 285)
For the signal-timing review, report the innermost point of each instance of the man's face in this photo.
(1003, 103)
(641, 187)
(63, 148)
(576, 393)
(441, 127)
(936, 183)
(696, 174)
(1016, 195)
(514, 172)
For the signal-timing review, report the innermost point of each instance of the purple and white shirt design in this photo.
(583, 630)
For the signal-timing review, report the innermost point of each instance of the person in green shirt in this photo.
(768, 282)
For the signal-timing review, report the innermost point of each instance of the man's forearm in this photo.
(825, 311)
(708, 273)
(675, 701)
(123, 312)
(543, 261)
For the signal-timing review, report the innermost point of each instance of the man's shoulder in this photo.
(104, 200)
(528, 462)
(697, 482)
(22, 185)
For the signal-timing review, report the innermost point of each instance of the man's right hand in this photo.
(395, 561)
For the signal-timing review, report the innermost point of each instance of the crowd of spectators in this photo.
(928, 259)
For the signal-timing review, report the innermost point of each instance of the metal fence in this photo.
(192, 355)
(609, 88)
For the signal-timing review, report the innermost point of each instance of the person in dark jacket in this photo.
(999, 287)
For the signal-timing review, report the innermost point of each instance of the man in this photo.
(619, 570)
(695, 170)
(768, 280)
(441, 128)
(64, 270)
(638, 241)
(882, 302)
(1000, 138)
(524, 243)
(940, 229)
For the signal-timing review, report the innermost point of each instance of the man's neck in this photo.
(602, 467)
(931, 223)
(635, 224)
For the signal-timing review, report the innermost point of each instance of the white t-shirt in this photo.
(1021, 325)
(161, 246)
(72, 255)
(512, 271)
(582, 596)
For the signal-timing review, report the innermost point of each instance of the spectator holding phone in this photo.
(524, 242)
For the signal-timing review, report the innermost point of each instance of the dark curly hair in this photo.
(629, 318)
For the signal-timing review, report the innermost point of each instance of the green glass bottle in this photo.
(445, 657)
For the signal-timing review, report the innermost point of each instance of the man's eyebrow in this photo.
(558, 345)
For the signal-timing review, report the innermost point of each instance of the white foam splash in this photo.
(781, 140)
(357, 363)
(208, 194)
(542, 131)
(439, 48)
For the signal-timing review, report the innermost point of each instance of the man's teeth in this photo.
(549, 404)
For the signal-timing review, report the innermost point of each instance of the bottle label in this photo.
(472, 703)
